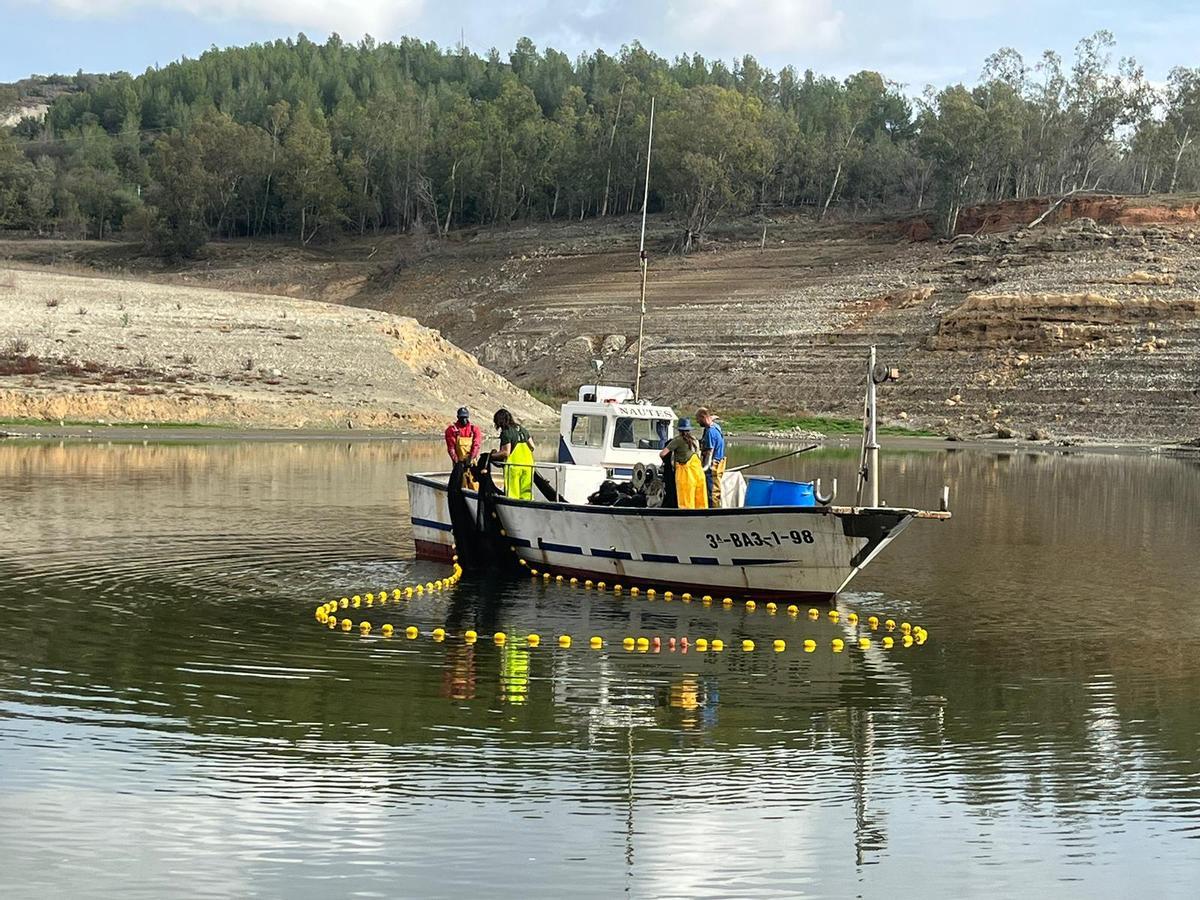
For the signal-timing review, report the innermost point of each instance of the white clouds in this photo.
(958, 11)
(756, 26)
(350, 18)
(917, 41)
(713, 27)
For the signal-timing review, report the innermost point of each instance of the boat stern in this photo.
(429, 506)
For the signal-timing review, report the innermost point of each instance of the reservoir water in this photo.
(173, 722)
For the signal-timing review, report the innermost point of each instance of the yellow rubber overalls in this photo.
(691, 490)
(518, 472)
(464, 443)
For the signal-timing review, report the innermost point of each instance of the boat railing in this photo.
(556, 474)
(537, 467)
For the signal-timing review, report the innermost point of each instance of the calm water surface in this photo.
(173, 722)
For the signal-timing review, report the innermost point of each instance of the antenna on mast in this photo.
(637, 383)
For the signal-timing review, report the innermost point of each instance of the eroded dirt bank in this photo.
(1085, 329)
(99, 349)
(1071, 332)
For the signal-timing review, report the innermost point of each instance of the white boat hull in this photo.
(771, 552)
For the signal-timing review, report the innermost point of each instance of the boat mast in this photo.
(872, 437)
(637, 383)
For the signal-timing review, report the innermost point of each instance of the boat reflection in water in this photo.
(662, 715)
(458, 672)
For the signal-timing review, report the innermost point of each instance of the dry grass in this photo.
(15, 358)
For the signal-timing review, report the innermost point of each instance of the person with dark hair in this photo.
(464, 440)
(516, 452)
(712, 454)
(684, 453)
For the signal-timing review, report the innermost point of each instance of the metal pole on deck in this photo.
(637, 383)
(872, 437)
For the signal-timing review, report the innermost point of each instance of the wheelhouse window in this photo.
(587, 431)
(641, 434)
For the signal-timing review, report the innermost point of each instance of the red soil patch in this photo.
(987, 218)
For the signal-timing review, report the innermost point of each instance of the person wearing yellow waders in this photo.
(516, 452)
(712, 454)
(683, 449)
(464, 440)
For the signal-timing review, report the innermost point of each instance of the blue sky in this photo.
(916, 42)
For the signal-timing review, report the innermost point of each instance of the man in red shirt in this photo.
(463, 443)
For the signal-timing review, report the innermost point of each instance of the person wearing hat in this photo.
(684, 453)
(464, 440)
(712, 454)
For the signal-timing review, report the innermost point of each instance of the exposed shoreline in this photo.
(1081, 334)
(183, 433)
(107, 350)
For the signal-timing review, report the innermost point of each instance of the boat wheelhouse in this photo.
(606, 427)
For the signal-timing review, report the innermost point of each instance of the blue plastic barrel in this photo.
(792, 493)
(758, 490)
(766, 491)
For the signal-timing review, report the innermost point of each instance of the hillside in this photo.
(1072, 331)
(1077, 330)
(32, 97)
(319, 142)
(101, 349)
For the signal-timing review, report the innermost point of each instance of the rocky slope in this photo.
(1073, 331)
(114, 350)
(1087, 328)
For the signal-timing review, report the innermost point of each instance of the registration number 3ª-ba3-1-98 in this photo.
(741, 539)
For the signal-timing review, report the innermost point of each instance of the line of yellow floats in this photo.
(326, 614)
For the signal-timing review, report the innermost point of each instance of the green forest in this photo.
(311, 141)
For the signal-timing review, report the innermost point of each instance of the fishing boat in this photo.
(602, 510)
(773, 539)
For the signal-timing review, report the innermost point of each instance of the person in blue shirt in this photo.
(712, 455)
